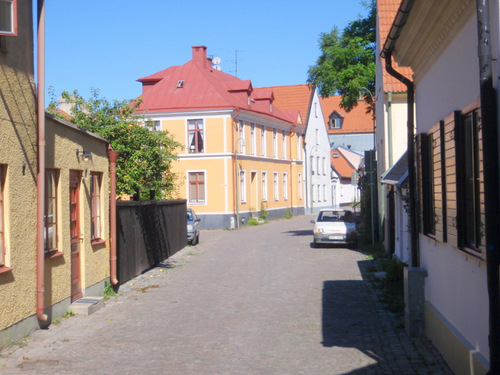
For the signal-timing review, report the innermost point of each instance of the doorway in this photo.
(74, 204)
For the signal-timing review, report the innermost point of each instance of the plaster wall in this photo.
(456, 283)
(18, 159)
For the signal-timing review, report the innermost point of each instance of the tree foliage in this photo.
(146, 156)
(346, 65)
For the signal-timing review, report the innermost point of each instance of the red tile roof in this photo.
(197, 86)
(358, 120)
(386, 10)
(293, 97)
(340, 165)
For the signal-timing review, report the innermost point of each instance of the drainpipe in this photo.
(389, 126)
(411, 155)
(113, 156)
(233, 119)
(491, 184)
(40, 185)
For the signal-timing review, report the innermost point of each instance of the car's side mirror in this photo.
(198, 220)
(313, 221)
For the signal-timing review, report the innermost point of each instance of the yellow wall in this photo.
(18, 158)
(62, 142)
(217, 162)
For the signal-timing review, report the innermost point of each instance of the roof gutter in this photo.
(489, 116)
(390, 43)
(40, 186)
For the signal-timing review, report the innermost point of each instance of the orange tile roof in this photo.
(358, 120)
(386, 11)
(293, 97)
(340, 165)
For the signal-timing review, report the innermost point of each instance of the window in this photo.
(427, 175)
(299, 147)
(300, 186)
(264, 186)
(335, 121)
(196, 136)
(154, 125)
(253, 142)
(243, 186)
(8, 17)
(263, 144)
(285, 186)
(275, 186)
(283, 144)
(324, 166)
(2, 217)
(275, 143)
(312, 164)
(468, 183)
(313, 190)
(241, 136)
(95, 206)
(50, 218)
(196, 187)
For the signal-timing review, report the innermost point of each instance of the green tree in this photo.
(145, 157)
(346, 65)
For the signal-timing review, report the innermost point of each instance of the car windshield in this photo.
(345, 216)
(189, 215)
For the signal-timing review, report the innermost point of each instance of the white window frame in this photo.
(283, 145)
(10, 17)
(196, 130)
(285, 186)
(300, 186)
(276, 186)
(243, 186)
(264, 186)
(198, 201)
(241, 136)
(253, 141)
(263, 142)
(275, 143)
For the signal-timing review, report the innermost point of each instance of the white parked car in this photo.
(335, 226)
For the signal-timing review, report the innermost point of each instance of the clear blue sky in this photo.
(109, 44)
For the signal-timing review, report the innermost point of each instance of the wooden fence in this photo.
(148, 232)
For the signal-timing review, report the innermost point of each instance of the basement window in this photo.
(8, 17)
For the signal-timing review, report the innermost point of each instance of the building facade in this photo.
(241, 155)
(75, 242)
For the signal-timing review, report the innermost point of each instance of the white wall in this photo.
(456, 282)
(317, 145)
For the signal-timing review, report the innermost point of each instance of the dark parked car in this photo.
(193, 227)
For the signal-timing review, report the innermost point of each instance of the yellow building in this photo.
(42, 271)
(240, 153)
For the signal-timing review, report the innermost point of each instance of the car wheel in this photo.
(314, 244)
(195, 241)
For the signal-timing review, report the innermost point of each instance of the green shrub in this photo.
(288, 214)
(253, 221)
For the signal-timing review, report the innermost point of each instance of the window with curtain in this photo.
(95, 192)
(196, 136)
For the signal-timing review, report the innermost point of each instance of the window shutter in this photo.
(441, 226)
(439, 212)
(420, 188)
(451, 176)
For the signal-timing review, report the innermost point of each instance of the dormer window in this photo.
(8, 17)
(335, 121)
(180, 83)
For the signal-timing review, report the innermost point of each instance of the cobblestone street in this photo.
(256, 301)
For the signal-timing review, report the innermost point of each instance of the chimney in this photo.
(200, 56)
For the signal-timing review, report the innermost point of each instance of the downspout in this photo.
(113, 156)
(233, 118)
(40, 185)
(489, 115)
(410, 88)
(389, 125)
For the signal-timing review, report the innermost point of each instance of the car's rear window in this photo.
(336, 216)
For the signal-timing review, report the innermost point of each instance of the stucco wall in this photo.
(18, 158)
(62, 142)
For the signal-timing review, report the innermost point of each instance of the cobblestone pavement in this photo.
(259, 300)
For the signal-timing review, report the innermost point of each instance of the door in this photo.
(74, 187)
